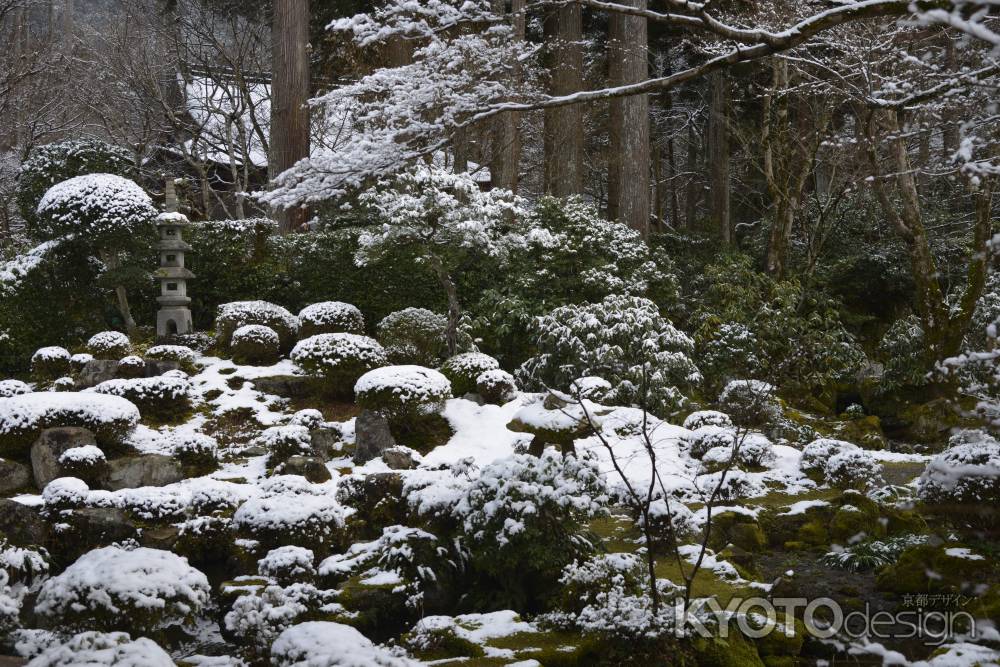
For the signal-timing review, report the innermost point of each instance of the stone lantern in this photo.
(175, 315)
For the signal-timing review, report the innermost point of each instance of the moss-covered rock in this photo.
(739, 529)
(936, 568)
(733, 651)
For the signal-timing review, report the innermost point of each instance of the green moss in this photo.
(848, 524)
(422, 433)
(738, 529)
(929, 569)
(778, 644)
(734, 651)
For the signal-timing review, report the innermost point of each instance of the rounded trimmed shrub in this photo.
(163, 398)
(10, 388)
(95, 207)
(696, 420)
(417, 336)
(195, 451)
(65, 383)
(87, 463)
(65, 493)
(109, 345)
(330, 317)
(403, 391)
(709, 437)
(338, 359)
(79, 361)
(591, 387)
(182, 354)
(142, 591)
(816, 454)
(310, 418)
(496, 386)
(131, 367)
(464, 369)
(231, 316)
(327, 644)
(963, 482)
(302, 519)
(288, 565)
(749, 402)
(23, 418)
(853, 469)
(49, 363)
(283, 442)
(255, 344)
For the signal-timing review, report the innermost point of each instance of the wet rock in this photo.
(287, 386)
(22, 525)
(131, 472)
(50, 445)
(309, 467)
(401, 458)
(156, 367)
(372, 436)
(90, 528)
(97, 371)
(326, 442)
(14, 476)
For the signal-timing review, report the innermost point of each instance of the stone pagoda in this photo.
(175, 315)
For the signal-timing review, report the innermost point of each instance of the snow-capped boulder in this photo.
(330, 317)
(46, 452)
(14, 476)
(23, 418)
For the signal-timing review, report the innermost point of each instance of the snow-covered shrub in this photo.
(231, 316)
(61, 161)
(163, 398)
(256, 619)
(672, 523)
(696, 420)
(99, 649)
(182, 354)
(327, 644)
(314, 521)
(496, 386)
(94, 206)
(23, 418)
(756, 451)
(79, 361)
(731, 349)
(417, 336)
(310, 418)
(10, 388)
(49, 363)
(591, 387)
(963, 482)
(86, 462)
(464, 369)
(623, 339)
(903, 350)
(283, 442)
(816, 454)
(330, 317)
(65, 383)
(708, 437)
(109, 345)
(255, 344)
(853, 469)
(131, 367)
(339, 358)
(401, 392)
(737, 485)
(749, 402)
(143, 591)
(523, 518)
(65, 493)
(287, 565)
(196, 452)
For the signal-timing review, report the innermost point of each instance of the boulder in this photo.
(92, 527)
(286, 386)
(21, 524)
(14, 476)
(50, 445)
(309, 467)
(401, 458)
(97, 371)
(157, 367)
(371, 436)
(326, 442)
(131, 472)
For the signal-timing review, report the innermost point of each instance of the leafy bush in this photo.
(750, 402)
(283, 442)
(402, 392)
(163, 398)
(902, 351)
(622, 339)
(464, 369)
(496, 386)
(258, 618)
(417, 336)
(963, 482)
(696, 420)
(817, 453)
(49, 363)
(255, 344)
(338, 359)
(195, 451)
(853, 469)
(286, 565)
(23, 418)
(109, 345)
(330, 317)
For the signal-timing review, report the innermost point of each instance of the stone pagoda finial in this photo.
(175, 315)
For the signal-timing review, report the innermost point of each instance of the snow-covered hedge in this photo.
(705, 438)
(853, 469)
(330, 317)
(10, 388)
(623, 339)
(109, 345)
(182, 354)
(231, 316)
(285, 441)
(417, 336)
(49, 363)
(195, 451)
(339, 358)
(99, 649)
(816, 454)
(289, 564)
(293, 517)
(143, 591)
(696, 420)
(403, 391)
(496, 386)
(963, 482)
(23, 418)
(163, 398)
(327, 644)
(131, 367)
(255, 344)
(464, 369)
(94, 207)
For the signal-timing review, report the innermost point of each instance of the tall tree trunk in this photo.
(505, 153)
(111, 261)
(628, 163)
(718, 156)
(691, 189)
(289, 95)
(564, 125)
(950, 136)
(454, 307)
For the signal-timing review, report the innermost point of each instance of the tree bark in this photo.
(111, 261)
(454, 307)
(691, 189)
(718, 156)
(564, 124)
(289, 95)
(628, 156)
(505, 162)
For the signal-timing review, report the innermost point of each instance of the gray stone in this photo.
(22, 525)
(14, 476)
(401, 458)
(131, 472)
(92, 527)
(371, 436)
(326, 442)
(286, 386)
(97, 371)
(160, 537)
(309, 467)
(50, 445)
(155, 367)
